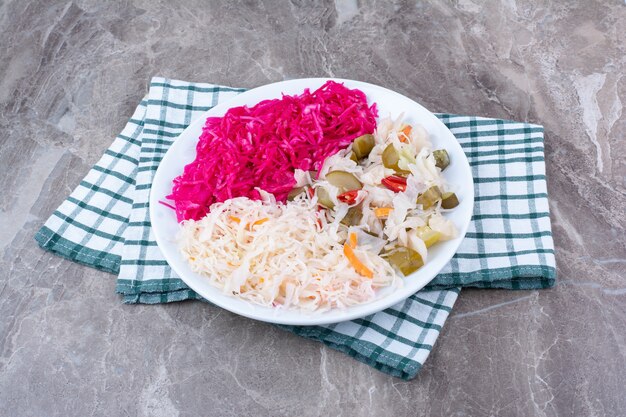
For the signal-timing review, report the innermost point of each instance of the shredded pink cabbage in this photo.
(261, 146)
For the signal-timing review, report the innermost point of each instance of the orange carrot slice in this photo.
(382, 212)
(406, 131)
(260, 221)
(356, 263)
(352, 240)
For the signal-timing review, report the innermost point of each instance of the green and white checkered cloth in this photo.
(105, 224)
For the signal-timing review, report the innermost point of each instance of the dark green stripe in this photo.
(488, 122)
(510, 197)
(49, 240)
(501, 254)
(148, 283)
(396, 337)
(198, 89)
(160, 142)
(147, 168)
(403, 316)
(159, 298)
(173, 105)
(467, 135)
(156, 159)
(480, 245)
(115, 174)
(163, 123)
(141, 223)
(521, 178)
(162, 133)
(162, 287)
(524, 277)
(528, 160)
(417, 299)
(154, 150)
(87, 229)
(504, 204)
(121, 156)
(105, 191)
(134, 141)
(504, 151)
(96, 210)
(140, 242)
(510, 216)
(144, 262)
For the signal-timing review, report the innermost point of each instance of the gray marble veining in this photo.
(72, 72)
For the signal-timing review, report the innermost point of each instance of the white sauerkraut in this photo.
(280, 255)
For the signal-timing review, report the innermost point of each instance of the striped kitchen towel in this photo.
(105, 224)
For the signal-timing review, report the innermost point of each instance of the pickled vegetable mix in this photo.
(390, 186)
(305, 202)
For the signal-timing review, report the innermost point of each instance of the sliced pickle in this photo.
(353, 157)
(391, 156)
(363, 145)
(428, 235)
(429, 197)
(353, 217)
(323, 198)
(442, 160)
(344, 181)
(449, 200)
(406, 260)
(295, 192)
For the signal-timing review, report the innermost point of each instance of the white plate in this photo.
(183, 151)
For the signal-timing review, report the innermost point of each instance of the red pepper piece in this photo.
(349, 197)
(395, 183)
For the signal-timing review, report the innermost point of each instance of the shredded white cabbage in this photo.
(277, 255)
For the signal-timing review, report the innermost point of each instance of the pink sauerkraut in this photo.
(261, 146)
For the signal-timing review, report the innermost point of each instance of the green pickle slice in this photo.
(344, 181)
(429, 197)
(391, 156)
(295, 192)
(353, 217)
(363, 145)
(406, 260)
(428, 235)
(449, 200)
(323, 198)
(442, 159)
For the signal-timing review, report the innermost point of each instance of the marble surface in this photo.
(72, 72)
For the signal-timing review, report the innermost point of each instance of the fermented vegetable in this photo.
(262, 145)
(449, 200)
(429, 197)
(406, 260)
(363, 145)
(442, 160)
(283, 260)
(344, 181)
